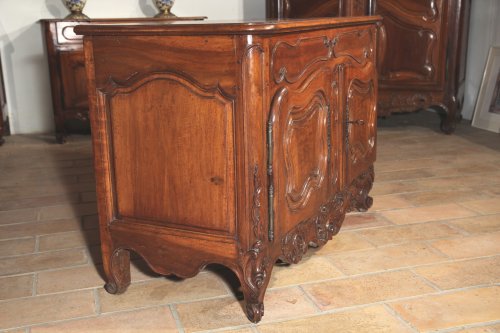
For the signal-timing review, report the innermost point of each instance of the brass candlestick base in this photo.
(164, 6)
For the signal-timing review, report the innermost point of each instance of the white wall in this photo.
(484, 32)
(25, 61)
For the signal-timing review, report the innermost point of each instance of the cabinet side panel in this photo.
(173, 153)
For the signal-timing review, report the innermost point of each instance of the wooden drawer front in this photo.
(66, 35)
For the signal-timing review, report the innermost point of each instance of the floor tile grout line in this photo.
(177, 319)
(426, 281)
(35, 285)
(446, 261)
(485, 324)
(396, 315)
(97, 301)
(81, 248)
(309, 298)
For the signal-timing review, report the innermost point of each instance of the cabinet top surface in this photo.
(273, 26)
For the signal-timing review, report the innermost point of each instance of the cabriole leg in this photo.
(117, 269)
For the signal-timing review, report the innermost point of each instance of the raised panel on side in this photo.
(74, 82)
(172, 152)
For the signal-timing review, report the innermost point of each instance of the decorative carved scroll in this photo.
(328, 220)
(255, 262)
(306, 53)
(356, 45)
(358, 191)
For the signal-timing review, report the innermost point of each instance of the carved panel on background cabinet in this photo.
(172, 135)
(419, 66)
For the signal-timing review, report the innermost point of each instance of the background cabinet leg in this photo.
(60, 138)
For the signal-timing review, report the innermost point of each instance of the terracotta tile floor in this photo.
(425, 258)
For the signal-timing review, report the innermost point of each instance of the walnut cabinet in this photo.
(236, 143)
(422, 44)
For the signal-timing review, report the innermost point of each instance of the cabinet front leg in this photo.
(359, 189)
(254, 276)
(117, 269)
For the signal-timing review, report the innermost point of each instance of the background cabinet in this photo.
(317, 8)
(422, 48)
(67, 77)
(67, 72)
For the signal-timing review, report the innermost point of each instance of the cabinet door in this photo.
(300, 144)
(412, 31)
(360, 120)
(74, 82)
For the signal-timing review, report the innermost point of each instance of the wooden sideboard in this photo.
(3, 102)
(230, 143)
(67, 72)
(423, 46)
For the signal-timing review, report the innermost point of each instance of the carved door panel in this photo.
(300, 144)
(411, 32)
(74, 82)
(360, 120)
